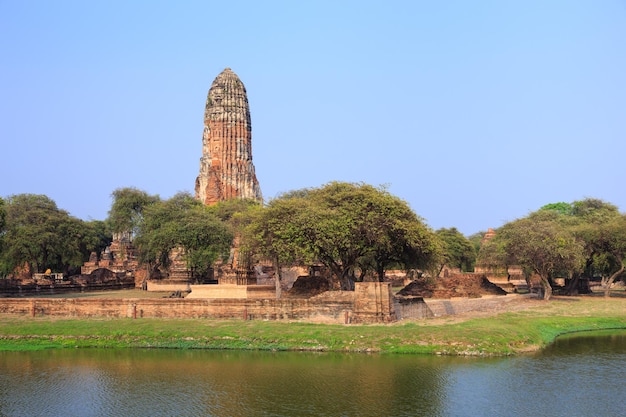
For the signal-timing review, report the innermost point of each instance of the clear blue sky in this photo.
(474, 112)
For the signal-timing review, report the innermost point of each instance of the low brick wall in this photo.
(412, 308)
(246, 309)
(63, 288)
(373, 306)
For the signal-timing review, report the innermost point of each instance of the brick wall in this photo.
(412, 308)
(372, 303)
(247, 309)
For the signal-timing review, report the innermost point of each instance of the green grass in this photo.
(503, 334)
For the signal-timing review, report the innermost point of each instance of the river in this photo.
(576, 376)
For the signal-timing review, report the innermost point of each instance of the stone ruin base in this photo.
(371, 302)
(221, 291)
(374, 305)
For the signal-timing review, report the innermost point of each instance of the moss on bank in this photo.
(501, 334)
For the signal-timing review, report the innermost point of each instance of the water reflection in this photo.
(572, 378)
(578, 375)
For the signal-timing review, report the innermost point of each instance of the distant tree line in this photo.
(36, 235)
(355, 230)
(566, 240)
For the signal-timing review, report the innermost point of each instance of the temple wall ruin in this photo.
(412, 308)
(373, 303)
(333, 307)
(245, 309)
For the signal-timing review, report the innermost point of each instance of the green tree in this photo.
(349, 228)
(594, 210)
(3, 267)
(234, 211)
(560, 207)
(476, 240)
(182, 223)
(126, 212)
(41, 236)
(492, 254)
(3, 215)
(597, 224)
(609, 263)
(603, 230)
(274, 233)
(458, 251)
(97, 237)
(540, 244)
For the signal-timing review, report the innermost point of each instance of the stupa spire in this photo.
(226, 168)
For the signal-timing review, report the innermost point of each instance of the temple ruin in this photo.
(226, 169)
(236, 287)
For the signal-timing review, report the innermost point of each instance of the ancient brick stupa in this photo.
(226, 169)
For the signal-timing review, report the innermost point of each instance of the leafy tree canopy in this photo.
(594, 210)
(98, 237)
(604, 237)
(41, 236)
(561, 237)
(540, 244)
(598, 225)
(127, 209)
(588, 210)
(2, 215)
(275, 231)
(458, 251)
(560, 207)
(235, 212)
(350, 228)
(476, 240)
(182, 223)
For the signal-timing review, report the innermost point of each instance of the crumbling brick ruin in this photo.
(226, 169)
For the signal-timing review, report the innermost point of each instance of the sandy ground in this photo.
(516, 303)
(557, 305)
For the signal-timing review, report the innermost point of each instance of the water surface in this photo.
(577, 376)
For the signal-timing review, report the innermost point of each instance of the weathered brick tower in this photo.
(226, 169)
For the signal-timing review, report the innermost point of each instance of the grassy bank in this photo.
(501, 334)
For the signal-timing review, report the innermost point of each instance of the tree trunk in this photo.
(439, 270)
(572, 285)
(277, 278)
(603, 281)
(347, 284)
(609, 282)
(381, 273)
(362, 275)
(547, 288)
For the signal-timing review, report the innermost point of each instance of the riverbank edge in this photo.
(500, 334)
